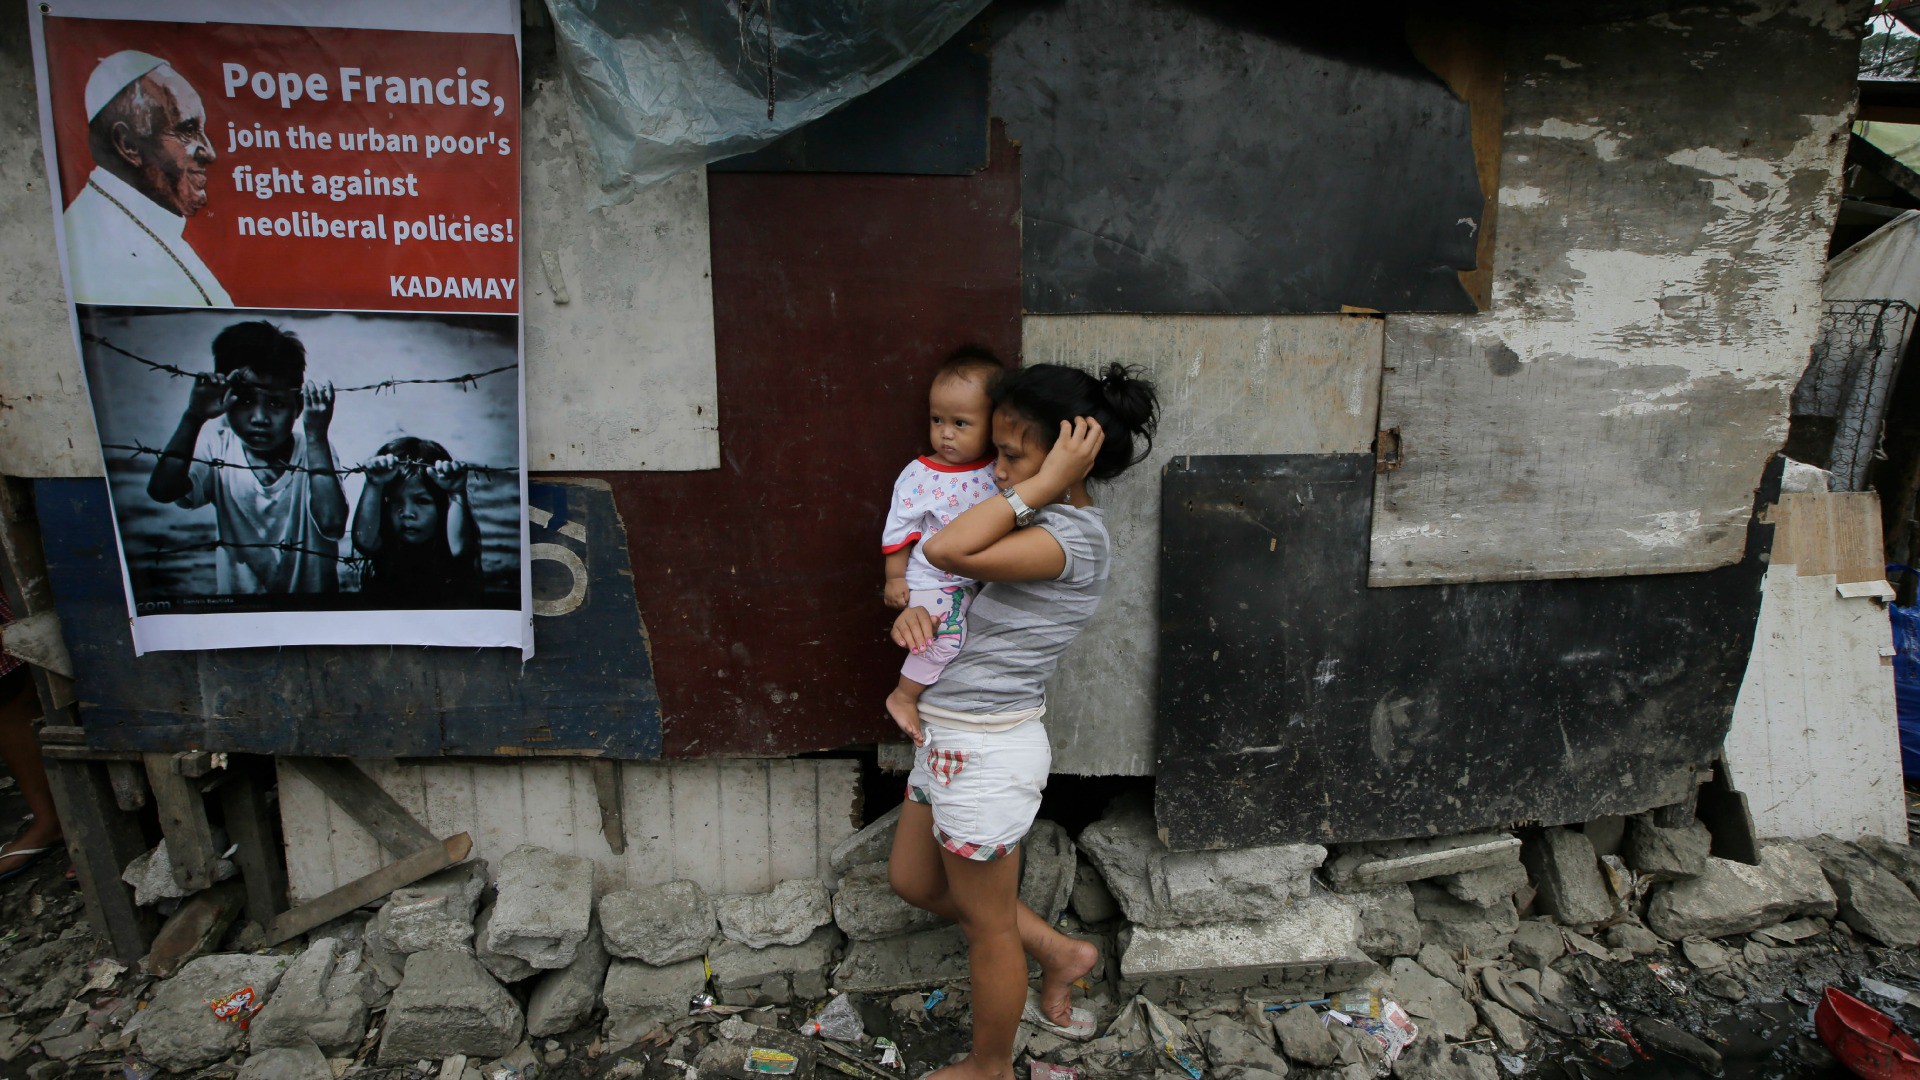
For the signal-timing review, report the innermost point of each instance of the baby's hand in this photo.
(382, 469)
(448, 475)
(208, 400)
(897, 593)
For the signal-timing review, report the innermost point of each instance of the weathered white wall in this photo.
(731, 826)
(1229, 384)
(620, 377)
(1667, 187)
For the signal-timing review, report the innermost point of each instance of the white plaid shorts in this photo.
(984, 786)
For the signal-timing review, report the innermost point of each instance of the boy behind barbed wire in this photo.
(278, 504)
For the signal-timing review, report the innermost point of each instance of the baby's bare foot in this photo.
(905, 713)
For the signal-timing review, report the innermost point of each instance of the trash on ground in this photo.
(837, 1021)
(761, 1059)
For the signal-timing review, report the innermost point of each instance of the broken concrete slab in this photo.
(1900, 858)
(1487, 886)
(435, 912)
(1429, 998)
(914, 961)
(1389, 925)
(1634, 938)
(564, 999)
(736, 965)
(1505, 1024)
(660, 925)
(195, 928)
(322, 999)
(866, 908)
(1733, 898)
(1048, 862)
(1455, 924)
(543, 907)
(1392, 862)
(1191, 888)
(151, 875)
(1303, 1035)
(1537, 943)
(1443, 966)
(299, 1061)
(1092, 901)
(448, 1004)
(1433, 1059)
(786, 915)
(1665, 854)
(870, 845)
(1311, 942)
(508, 969)
(1236, 1050)
(1567, 874)
(638, 995)
(1120, 845)
(1871, 899)
(179, 1033)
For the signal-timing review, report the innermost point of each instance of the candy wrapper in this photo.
(237, 1007)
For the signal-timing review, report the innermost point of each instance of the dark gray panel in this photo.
(1296, 704)
(1198, 157)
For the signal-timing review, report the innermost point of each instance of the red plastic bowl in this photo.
(1865, 1039)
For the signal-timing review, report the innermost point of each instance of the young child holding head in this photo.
(414, 526)
(930, 492)
(278, 503)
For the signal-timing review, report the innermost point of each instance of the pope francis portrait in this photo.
(146, 128)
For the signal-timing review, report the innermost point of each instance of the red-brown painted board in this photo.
(834, 297)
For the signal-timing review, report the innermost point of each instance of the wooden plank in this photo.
(183, 821)
(366, 890)
(606, 793)
(1838, 533)
(101, 841)
(249, 821)
(129, 780)
(1467, 56)
(366, 802)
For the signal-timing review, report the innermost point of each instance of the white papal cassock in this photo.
(124, 248)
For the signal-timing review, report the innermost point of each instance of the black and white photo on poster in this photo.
(302, 461)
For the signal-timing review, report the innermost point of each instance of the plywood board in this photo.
(1815, 744)
(1656, 293)
(1299, 384)
(734, 826)
(1836, 534)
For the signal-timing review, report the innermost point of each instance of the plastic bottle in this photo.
(838, 1021)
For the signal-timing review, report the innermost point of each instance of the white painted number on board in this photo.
(576, 568)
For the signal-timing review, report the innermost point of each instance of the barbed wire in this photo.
(466, 381)
(137, 450)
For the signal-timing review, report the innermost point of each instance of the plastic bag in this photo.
(1906, 681)
(838, 1021)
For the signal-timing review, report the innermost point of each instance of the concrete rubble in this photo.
(543, 907)
(787, 915)
(448, 1004)
(661, 925)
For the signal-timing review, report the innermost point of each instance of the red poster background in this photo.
(307, 272)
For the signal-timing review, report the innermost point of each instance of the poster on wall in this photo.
(291, 239)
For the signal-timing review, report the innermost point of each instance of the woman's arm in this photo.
(983, 544)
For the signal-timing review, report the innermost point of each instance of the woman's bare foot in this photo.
(969, 1069)
(1070, 959)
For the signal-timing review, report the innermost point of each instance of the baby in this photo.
(932, 491)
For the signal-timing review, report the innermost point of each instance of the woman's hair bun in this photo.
(1120, 398)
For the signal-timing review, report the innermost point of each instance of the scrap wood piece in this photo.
(440, 855)
(606, 790)
(183, 821)
(1822, 532)
(366, 802)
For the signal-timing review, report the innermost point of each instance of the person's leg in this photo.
(922, 669)
(20, 752)
(918, 873)
(986, 897)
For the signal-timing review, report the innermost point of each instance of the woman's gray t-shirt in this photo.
(1016, 630)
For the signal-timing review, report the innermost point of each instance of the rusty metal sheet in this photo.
(834, 295)
(588, 690)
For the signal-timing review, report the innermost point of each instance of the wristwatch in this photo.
(1022, 513)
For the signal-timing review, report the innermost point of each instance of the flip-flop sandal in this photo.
(1080, 1030)
(32, 855)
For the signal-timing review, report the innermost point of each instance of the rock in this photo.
(386, 966)
(661, 925)
(1634, 938)
(1232, 1047)
(870, 845)
(321, 1001)
(1733, 898)
(637, 994)
(1902, 859)
(1454, 924)
(1303, 1035)
(1371, 865)
(1870, 897)
(1120, 845)
(1191, 888)
(1433, 1059)
(1722, 985)
(1567, 873)
(1092, 902)
(1661, 1037)
(1487, 887)
(179, 1033)
(448, 1004)
(195, 928)
(1443, 966)
(1537, 943)
(435, 912)
(866, 908)
(1311, 941)
(787, 915)
(1426, 997)
(808, 985)
(736, 965)
(508, 969)
(151, 876)
(563, 1000)
(1606, 834)
(544, 904)
(47, 1070)
(1389, 926)
(300, 1061)
(1665, 854)
(1504, 1023)
(908, 962)
(1048, 861)
(1704, 955)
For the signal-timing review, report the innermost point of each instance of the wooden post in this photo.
(183, 820)
(102, 841)
(250, 824)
